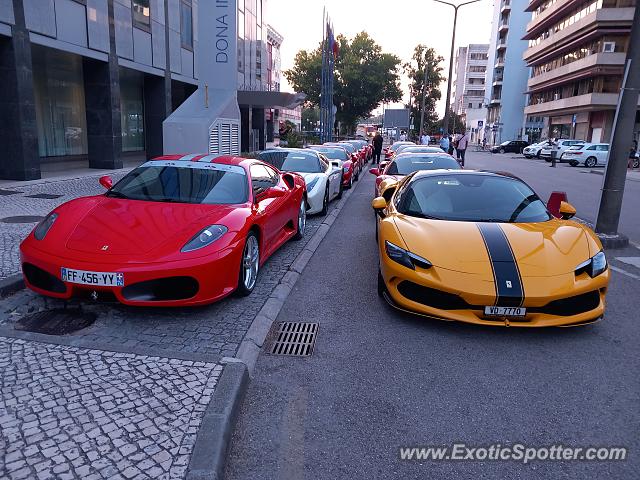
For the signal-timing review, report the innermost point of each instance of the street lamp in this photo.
(453, 41)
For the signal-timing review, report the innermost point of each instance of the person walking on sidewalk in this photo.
(451, 145)
(461, 148)
(444, 143)
(425, 139)
(377, 147)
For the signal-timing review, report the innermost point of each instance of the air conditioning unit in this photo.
(609, 47)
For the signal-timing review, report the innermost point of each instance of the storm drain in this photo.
(4, 192)
(59, 321)
(21, 219)
(47, 196)
(295, 339)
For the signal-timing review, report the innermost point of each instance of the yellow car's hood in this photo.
(540, 249)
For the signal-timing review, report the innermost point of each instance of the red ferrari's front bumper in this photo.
(189, 282)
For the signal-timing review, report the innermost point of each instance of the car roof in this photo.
(489, 173)
(206, 158)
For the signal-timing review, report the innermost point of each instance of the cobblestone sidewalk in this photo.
(73, 413)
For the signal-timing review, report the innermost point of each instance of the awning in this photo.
(266, 99)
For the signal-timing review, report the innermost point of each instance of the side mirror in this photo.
(567, 210)
(106, 182)
(335, 164)
(379, 204)
(374, 171)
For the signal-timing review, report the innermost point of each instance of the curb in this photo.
(253, 340)
(214, 435)
(11, 284)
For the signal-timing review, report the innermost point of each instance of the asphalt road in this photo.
(379, 380)
(583, 185)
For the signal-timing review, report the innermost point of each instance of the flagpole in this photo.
(323, 122)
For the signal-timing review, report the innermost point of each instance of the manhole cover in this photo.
(59, 321)
(48, 196)
(21, 219)
(295, 339)
(8, 192)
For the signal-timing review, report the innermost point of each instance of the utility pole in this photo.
(616, 171)
(424, 95)
(453, 42)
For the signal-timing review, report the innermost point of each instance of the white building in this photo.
(469, 91)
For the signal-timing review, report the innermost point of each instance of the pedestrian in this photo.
(444, 143)
(451, 145)
(425, 139)
(484, 144)
(632, 156)
(403, 136)
(377, 147)
(461, 148)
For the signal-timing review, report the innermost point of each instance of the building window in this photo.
(141, 14)
(58, 88)
(186, 24)
(132, 110)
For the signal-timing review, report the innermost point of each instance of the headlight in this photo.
(404, 257)
(312, 184)
(43, 227)
(594, 266)
(205, 237)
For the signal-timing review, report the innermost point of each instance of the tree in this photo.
(365, 77)
(456, 124)
(424, 57)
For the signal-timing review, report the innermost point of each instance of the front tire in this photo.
(302, 220)
(340, 191)
(249, 265)
(502, 150)
(590, 162)
(381, 285)
(574, 163)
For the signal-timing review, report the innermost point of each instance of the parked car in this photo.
(417, 149)
(322, 177)
(588, 154)
(407, 163)
(560, 146)
(510, 146)
(481, 247)
(365, 149)
(533, 151)
(338, 153)
(179, 230)
(390, 150)
(355, 156)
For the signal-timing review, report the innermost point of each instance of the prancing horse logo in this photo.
(105, 248)
(508, 282)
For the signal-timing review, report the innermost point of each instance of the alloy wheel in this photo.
(250, 262)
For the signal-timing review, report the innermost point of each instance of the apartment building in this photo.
(507, 73)
(468, 94)
(576, 51)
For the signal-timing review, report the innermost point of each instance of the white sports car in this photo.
(322, 176)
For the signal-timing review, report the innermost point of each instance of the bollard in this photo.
(554, 154)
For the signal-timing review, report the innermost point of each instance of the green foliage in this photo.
(456, 124)
(365, 77)
(424, 57)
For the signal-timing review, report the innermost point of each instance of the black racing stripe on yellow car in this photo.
(506, 274)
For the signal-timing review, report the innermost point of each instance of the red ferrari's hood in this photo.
(129, 227)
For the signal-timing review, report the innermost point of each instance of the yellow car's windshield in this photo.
(471, 197)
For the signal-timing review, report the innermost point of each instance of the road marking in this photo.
(636, 245)
(635, 261)
(624, 272)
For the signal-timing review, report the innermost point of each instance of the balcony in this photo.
(495, 101)
(501, 45)
(506, 6)
(503, 27)
(499, 62)
(599, 63)
(587, 102)
(497, 81)
(582, 30)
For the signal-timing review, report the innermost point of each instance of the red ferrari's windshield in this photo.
(189, 182)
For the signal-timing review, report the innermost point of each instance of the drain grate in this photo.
(21, 219)
(59, 321)
(295, 339)
(47, 196)
(8, 192)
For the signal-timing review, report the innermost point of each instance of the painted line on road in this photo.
(624, 272)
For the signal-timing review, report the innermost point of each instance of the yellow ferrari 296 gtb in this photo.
(481, 247)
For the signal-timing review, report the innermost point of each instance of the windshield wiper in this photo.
(116, 194)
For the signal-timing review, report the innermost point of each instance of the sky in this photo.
(397, 25)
